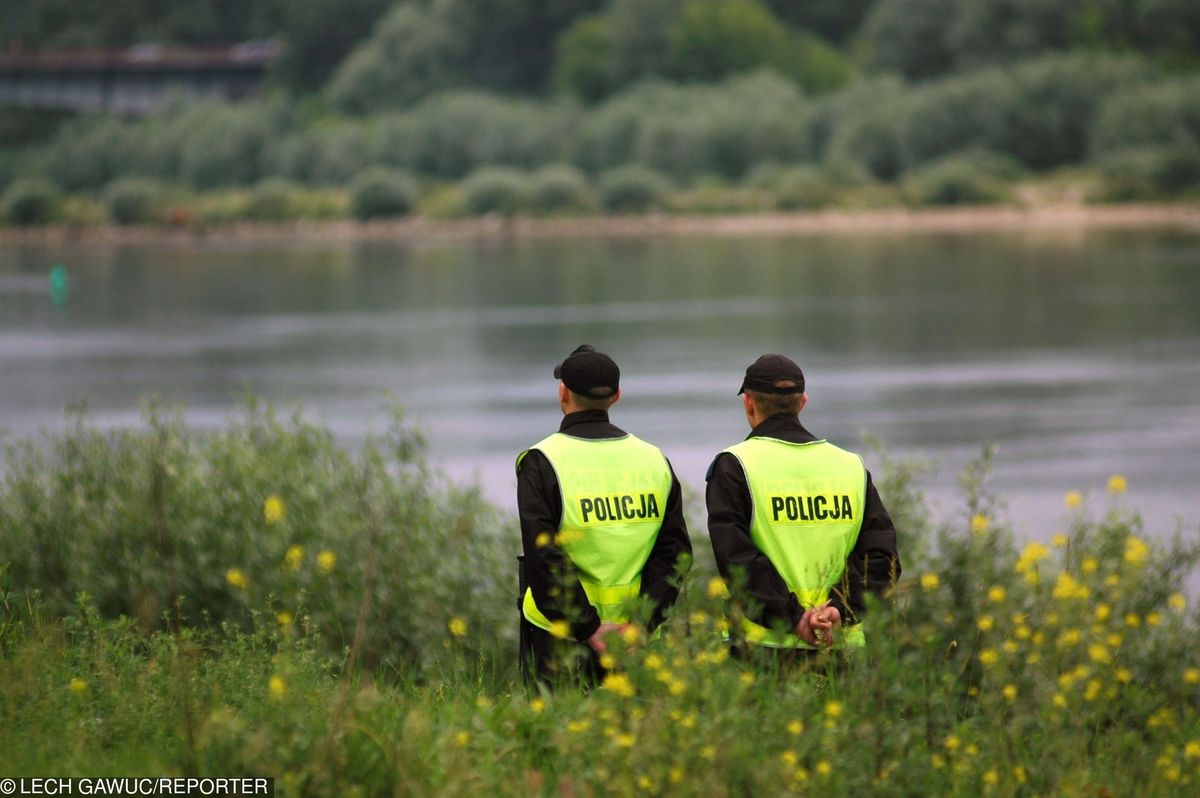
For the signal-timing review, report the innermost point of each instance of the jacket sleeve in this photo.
(659, 576)
(548, 571)
(874, 564)
(738, 559)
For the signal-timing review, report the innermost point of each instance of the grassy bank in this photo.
(257, 601)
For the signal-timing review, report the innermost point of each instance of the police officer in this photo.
(601, 525)
(796, 524)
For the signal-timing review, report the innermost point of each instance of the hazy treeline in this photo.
(819, 96)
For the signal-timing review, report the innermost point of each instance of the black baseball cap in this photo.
(589, 373)
(763, 373)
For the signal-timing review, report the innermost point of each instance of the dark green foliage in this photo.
(1150, 173)
(318, 35)
(382, 192)
(714, 38)
(1165, 115)
(632, 189)
(802, 188)
(133, 200)
(583, 59)
(327, 155)
(968, 178)
(494, 189)
(31, 201)
(908, 36)
(560, 188)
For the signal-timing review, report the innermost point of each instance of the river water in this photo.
(1076, 354)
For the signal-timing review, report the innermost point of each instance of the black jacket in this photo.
(547, 568)
(873, 564)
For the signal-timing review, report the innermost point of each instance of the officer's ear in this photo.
(564, 394)
(803, 402)
(616, 397)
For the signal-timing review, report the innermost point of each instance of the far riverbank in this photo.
(1039, 219)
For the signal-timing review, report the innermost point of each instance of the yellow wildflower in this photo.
(1112, 580)
(1069, 637)
(675, 776)
(1073, 499)
(77, 685)
(717, 588)
(979, 525)
(789, 758)
(273, 510)
(996, 594)
(1192, 749)
(930, 581)
(1059, 540)
(1010, 646)
(1031, 555)
(677, 687)
(457, 626)
(1133, 620)
(985, 623)
(1019, 774)
(1192, 676)
(971, 749)
(653, 662)
(462, 739)
(1038, 638)
(698, 618)
(284, 618)
(1092, 691)
(293, 558)
(1136, 550)
(537, 706)
(625, 740)
(326, 560)
(542, 540)
(795, 728)
(1103, 612)
(1089, 565)
(746, 677)
(1099, 653)
(988, 657)
(833, 709)
(1010, 692)
(1123, 675)
(1068, 587)
(277, 687)
(1059, 700)
(952, 742)
(991, 778)
(560, 629)
(1117, 484)
(236, 577)
(608, 662)
(938, 761)
(1022, 632)
(708, 752)
(1177, 602)
(618, 683)
(630, 634)
(824, 768)
(1153, 618)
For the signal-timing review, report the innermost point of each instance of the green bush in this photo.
(324, 156)
(453, 134)
(1150, 173)
(632, 189)
(714, 38)
(583, 58)
(224, 145)
(379, 192)
(963, 179)
(689, 131)
(494, 189)
(174, 528)
(560, 188)
(132, 200)
(31, 201)
(1165, 115)
(89, 152)
(273, 200)
(802, 187)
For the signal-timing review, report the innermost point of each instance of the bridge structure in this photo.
(136, 81)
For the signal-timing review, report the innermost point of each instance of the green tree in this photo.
(714, 38)
(319, 34)
(583, 59)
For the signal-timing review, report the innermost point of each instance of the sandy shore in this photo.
(1043, 219)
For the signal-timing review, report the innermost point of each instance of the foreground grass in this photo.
(1064, 666)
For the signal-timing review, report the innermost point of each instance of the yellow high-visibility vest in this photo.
(808, 501)
(614, 494)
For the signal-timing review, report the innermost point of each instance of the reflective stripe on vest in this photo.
(808, 501)
(614, 493)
